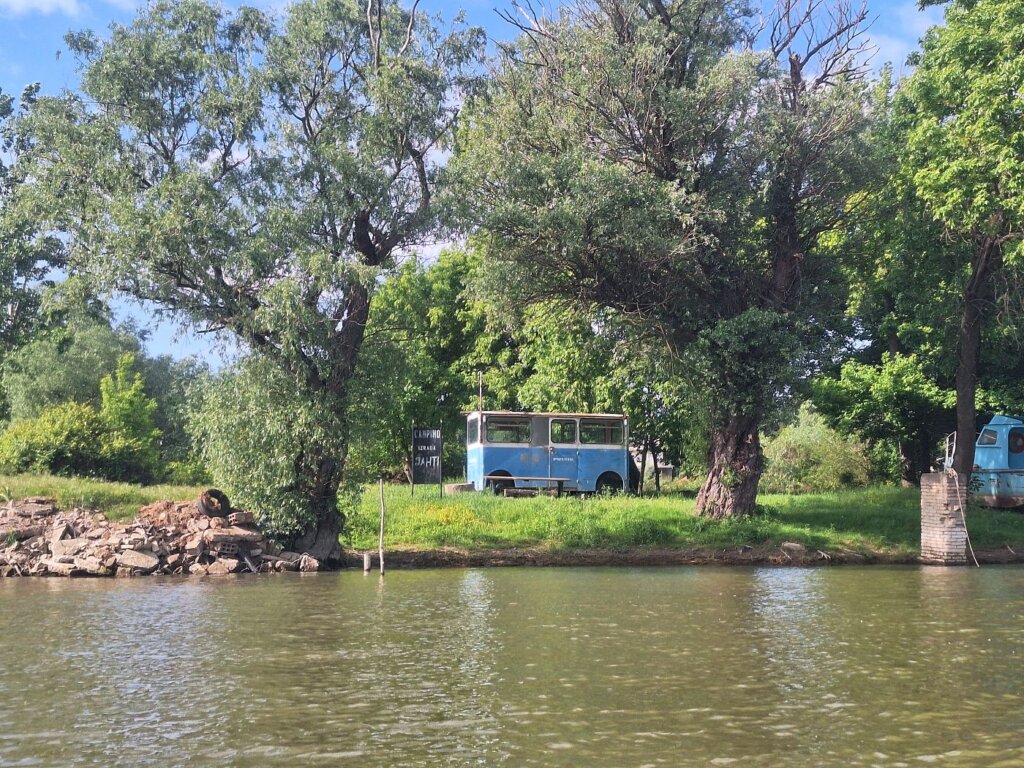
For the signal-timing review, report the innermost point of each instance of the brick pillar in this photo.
(943, 534)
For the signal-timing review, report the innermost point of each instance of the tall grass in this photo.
(118, 501)
(870, 520)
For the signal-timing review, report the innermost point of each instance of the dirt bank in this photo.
(788, 554)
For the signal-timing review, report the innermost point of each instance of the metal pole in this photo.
(380, 540)
(440, 464)
(480, 390)
(412, 457)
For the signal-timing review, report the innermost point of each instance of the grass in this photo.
(880, 520)
(119, 501)
(871, 520)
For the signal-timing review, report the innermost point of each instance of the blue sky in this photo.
(32, 50)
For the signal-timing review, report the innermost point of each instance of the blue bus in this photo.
(573, 452)
(999, 463)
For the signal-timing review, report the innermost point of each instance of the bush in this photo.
(64, 439)
(810, 457)
(119, 442)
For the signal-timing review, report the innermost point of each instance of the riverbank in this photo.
(872, 525)
(866, 526)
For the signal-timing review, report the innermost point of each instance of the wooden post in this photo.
(440, 468)
(412, 454)
(380, 540)
(367, 562)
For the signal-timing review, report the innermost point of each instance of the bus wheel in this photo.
(501, 484)
(609, 482)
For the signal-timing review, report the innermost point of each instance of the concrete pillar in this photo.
(943, 533)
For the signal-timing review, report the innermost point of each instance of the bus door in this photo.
(563, 452)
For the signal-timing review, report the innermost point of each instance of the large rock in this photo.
(138, 561)
(68, 547)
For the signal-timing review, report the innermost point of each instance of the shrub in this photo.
(809, 456)
(119, 442)
(64, 439)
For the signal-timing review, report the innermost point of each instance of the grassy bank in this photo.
(876, 521)
(119, 501)
(872, 521)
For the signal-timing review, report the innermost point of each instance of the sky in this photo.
(32, 50)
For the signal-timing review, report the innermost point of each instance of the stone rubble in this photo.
(38, 539)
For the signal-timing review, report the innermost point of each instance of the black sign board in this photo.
(426, 455)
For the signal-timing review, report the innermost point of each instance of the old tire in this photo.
(214, 503)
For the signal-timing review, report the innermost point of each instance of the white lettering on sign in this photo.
(429, 434)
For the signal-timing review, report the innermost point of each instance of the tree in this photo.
(64, 364)
(26, 257)
(256, 179)
(895, 402)
(423, 327)
(644, 158)
(966, 158)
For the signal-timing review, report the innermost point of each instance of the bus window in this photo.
(563, 431)
(506, 430)
(988, 437)
(600, 432)
(472, 431)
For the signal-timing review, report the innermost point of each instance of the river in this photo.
(849, 666)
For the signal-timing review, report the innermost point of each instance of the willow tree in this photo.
(645, 156)
(255, 177)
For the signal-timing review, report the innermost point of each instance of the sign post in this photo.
(426, 455)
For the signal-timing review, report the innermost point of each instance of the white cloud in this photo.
(24, 7)
(64, 7)
(898, 30)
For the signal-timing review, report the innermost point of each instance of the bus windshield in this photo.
(508, 430)
(600, 432)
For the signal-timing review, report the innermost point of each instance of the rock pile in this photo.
(37, 539)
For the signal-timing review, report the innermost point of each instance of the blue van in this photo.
(573, 452)
(999, 463)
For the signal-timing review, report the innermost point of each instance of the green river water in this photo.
(519, 667)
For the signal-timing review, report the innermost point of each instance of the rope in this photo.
(963, 517)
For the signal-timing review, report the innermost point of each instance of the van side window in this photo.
(1017, 441)
(988, 437)
(506, 430)
(472, 431)
(563, 431)
(600, 432)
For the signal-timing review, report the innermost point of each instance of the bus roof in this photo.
(551, 415)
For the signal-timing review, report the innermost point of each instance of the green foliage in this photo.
(629, 160)
(258, 175)
(64, 365)
(890, 405)
(132, 438)
(65, 439)
(259, 433)
(118, 442)
(416, 365)
(26, 255)
(810, 457)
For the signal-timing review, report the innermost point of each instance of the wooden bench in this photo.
(558, 482)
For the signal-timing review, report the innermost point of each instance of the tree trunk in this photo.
(735, 464)
(657, 470)
(985, 262)
(321, 540)
(643, 468)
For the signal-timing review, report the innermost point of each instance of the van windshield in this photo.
(506, 430)
(600, 432)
